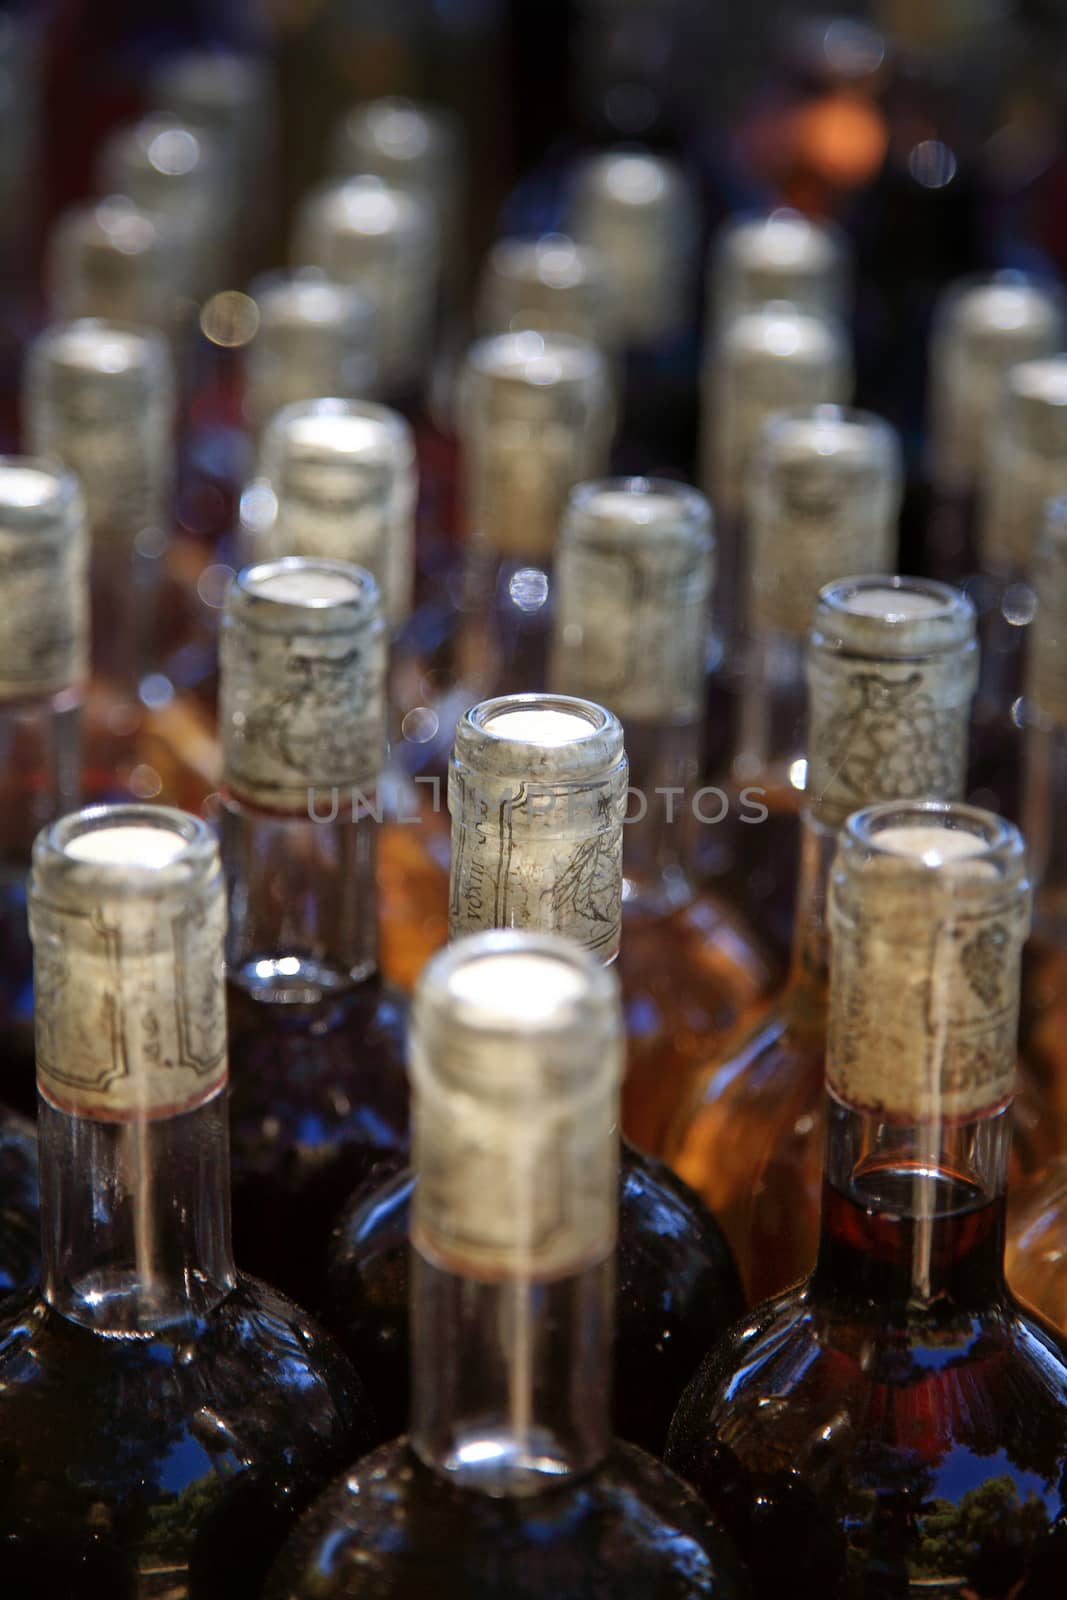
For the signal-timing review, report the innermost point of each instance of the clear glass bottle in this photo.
(231, 98)
(1037, 1212)
(385, 241)
(897, 1423)
(160, 1414)
(112, 259)
(318, 1091)
(414, 147)
(822, 502)
(179, 172)
(778, 255)
(635, 574)
(981, 328)
(891, 668)
(313, 338)
(44, 651)
(1025, 465)
(550, 284)
(537, 792)
(510, 1483)
(759, 362)
(640, 212)
(535, 416)
(99, 397)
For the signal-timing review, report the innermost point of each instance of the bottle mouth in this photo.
(336, 432)
(555, 736)
(36, 492)
(637, 508)
(923, 839)
(125, 850)
(309, 593)
(892, 616)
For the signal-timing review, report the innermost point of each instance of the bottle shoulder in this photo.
(254, 1356)
(393, 1529)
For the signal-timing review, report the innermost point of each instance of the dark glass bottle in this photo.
(44, 648)
(631, 626)
(897, 1423)
(552, 859)
(318, 1089)
(509, 1484)
(162, 1418)
(891, 665)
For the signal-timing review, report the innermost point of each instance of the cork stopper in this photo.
(537, 794)
(634, 575)
(1026, 461)
(779, 256)
(981, 329)
(892, 666)
(302, 655)
(639, 211)
(99, 397)
(127, 915)
(823, 499)
(314, 338)
(551, 284)
(44, 597)
(767, 360)
(516, 1061)
(344, 479)
(929, 908)
(386, 241)
(535, 416)
(1046, 661)
(111, 259)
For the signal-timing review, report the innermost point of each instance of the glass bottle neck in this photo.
(512, 1386)
(135, 1216)
(1044, 806)
(302, 894)
(913, 1216)
(665, 808)
(771, 733)
(809, 970)
(39, 770)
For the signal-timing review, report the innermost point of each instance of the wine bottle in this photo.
(44, 650)
(635, 573)
(891, 667)
(982, 327)
(414, 147)
(780, 255)
(759, 362)
(180, 173)
(112, 259)
(897, 1422)
(160, 1414)
(99, 397)
(386, 241)
(822, 501)
(536, 416)
(550, 284)
(1037, 1211)
(1023, 468)
(640, 212)
(313, 338)
(510, 1484)
(318, 1091)
(537, 790)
